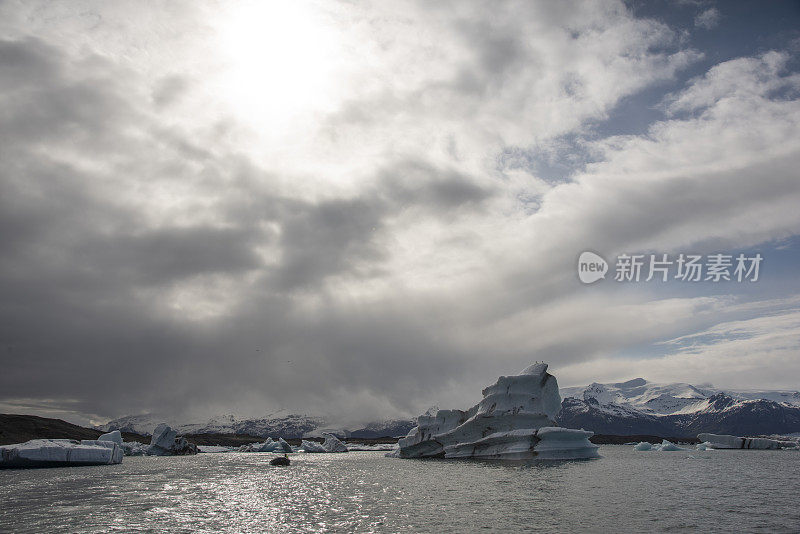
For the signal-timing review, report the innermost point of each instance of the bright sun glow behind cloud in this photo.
(279, 61)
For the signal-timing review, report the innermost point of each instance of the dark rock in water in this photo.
(282, 460)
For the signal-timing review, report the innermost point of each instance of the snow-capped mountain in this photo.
(624, 408)
(641, 407)
(666, 399)
(276, 424)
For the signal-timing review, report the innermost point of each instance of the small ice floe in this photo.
(722, 441)
(279, 445)
(376, 447)
(333, 444)
(213, 449)
(665, 445)
(266, 446)
(312, 446)
(134, 448)
(669, 446)
(60, 453)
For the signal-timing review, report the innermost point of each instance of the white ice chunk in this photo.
(722, 441)
(669, 446)
(163, 437)
(376, 447)
(332, 444)
(312, 446)
(164, 443)
(643, 446)
(213, 448)
(60, 452)
(267, 446)
(114, 436)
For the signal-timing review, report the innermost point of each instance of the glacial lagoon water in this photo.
(625, 491)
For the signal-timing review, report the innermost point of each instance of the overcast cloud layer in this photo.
(361, 210)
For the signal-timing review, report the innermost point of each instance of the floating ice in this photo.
(376, 447)
(165, 442)
(60, 452)
(267, 446)
(163, 439)
(213, 448)
(332, 444)
(643, 446)
(134, 448)
(514, 421)
(669, 446)
(114, 436)
(721, 441)
(312, 446)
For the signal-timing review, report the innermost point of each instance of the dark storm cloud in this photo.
(85, 270)
(169, 89)
(157, 262)
(46, 98)
(167, 254)
(328, 238)
(417, 184)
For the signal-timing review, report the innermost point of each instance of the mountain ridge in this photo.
(678, 409)
(635, 406)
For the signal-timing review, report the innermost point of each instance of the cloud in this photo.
(707, 19)
(402, 244)
(741, 354)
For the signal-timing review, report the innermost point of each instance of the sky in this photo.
(361, 209)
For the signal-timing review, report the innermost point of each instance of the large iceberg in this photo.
(165, 442)
(721, 441)
(59, 453)
(514, 421)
